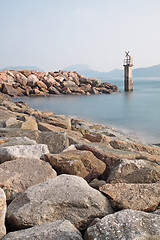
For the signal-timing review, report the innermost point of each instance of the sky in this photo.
(54, 34)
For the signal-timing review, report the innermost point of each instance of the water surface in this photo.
(137, 112)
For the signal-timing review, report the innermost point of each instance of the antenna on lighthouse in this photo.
(128, 80)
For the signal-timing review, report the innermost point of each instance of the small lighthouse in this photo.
(128, 64)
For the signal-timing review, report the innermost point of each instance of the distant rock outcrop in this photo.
(28, 83)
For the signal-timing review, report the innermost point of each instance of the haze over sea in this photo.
(136, 113)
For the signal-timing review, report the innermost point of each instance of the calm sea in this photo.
(137, 113)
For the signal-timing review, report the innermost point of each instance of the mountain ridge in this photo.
(146, 72)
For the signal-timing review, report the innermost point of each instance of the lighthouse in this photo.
(128, 80)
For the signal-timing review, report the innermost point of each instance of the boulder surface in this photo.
(126, 224)
(80, 163)
(65, 197)
(143, 197)
(57, 230)
(20, 174)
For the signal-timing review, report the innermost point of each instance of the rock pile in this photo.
(29, 83)
(66, 178)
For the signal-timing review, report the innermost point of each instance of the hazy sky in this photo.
(53, 34)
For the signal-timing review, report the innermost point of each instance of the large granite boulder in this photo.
(30, 123)
(56, 141)
(80, 163)
(32, 80)
(135, 171)
(126, 224)
(20, 78)
(14, 141)
(143, 197)
(26, 151)
(4, 97)
(20, 174)
(97, 137)
(123, 145)
(11, 121)
(8, 89)
(2, 213)
(65, 197)
(59, 121)
(57, 230)
(45, 127)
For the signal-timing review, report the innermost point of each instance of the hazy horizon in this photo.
(53, 35)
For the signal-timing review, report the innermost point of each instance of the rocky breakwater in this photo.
(65, 178)
(29, 83)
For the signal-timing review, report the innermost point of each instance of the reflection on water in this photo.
(137, 111)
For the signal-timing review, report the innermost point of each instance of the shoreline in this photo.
(79, 169)
(133, 133)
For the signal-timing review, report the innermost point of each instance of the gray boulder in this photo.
(58, 230)
(20, 174)
(56, 141)
(127, 225)
(143, 197)
(135, 171)
(65, 197)
(26, 151)
(13, 141)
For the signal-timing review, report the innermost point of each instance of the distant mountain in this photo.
(147, 72)
(20, 68)
(90, 73)
(85, 70)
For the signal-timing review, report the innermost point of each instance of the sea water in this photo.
(136, 112)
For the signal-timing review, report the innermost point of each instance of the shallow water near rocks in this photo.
(137, 112)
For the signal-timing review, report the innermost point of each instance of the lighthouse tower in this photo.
(128, 64)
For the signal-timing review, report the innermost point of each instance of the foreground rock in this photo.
(126, 224)
(65, 197)
(56, 141)
(112, 157)
(143, 197)
(58, 230)
(20, 174)
(80, 163)
(27, 151)
(2, 213)
(135, 171)
(28, 83)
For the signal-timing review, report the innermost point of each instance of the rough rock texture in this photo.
(57, 230)
(2, 213)
(4, 97)
(9, 122)
(45, 127)
(56, 141)
(127, 225)
(20, 83)
(30, 123)
(97, 137)
(65, 197)
(20, 174)
(80, 163)
(14, 141)
(96, 183)
(135, 171)
(143, 197)
(59, 121)
(117, 144)
(27, 151)
(111, 157)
